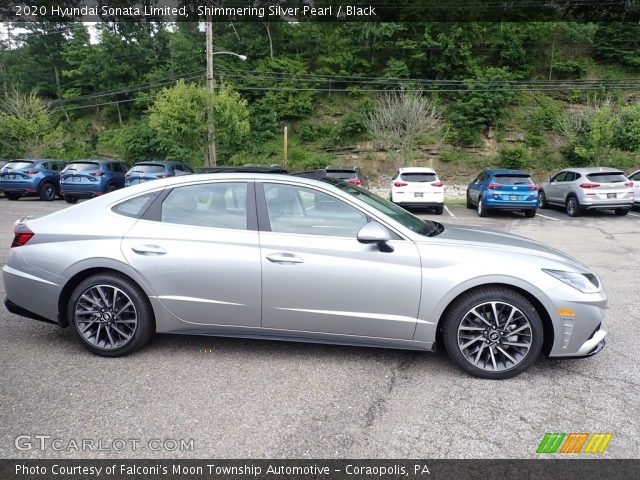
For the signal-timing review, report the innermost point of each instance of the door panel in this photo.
(204, 275)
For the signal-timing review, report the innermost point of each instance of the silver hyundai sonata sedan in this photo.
(287, 258)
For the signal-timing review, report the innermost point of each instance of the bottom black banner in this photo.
(319, 469)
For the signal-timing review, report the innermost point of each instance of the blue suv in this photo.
(90, 178)
(31, 178)
(145, 171)
(503, 190)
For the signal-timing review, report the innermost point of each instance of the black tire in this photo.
(70, 199)
(542, 200)
(47, 192)
(439, 209)
(469, 204)
(530, 213)
(110, 188)
(12, 196)
(621, 212)
(481, 209)
(96, 343)
(457, 312)
(572, 207)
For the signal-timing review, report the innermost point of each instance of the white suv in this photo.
(417, 187)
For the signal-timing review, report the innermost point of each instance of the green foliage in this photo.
(543, 118)
(514, 158)
(627, 136)
(618, 42)
(569, 68)
(134, 142)
(454, 156)
(179, 119)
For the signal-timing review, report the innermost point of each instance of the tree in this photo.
(400, 119)
(628, 132)
(179, 118)
(25, 121)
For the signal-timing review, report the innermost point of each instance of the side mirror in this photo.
(373, 232)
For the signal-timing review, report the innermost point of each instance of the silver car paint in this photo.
(398, 306)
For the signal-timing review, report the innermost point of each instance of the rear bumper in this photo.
(510, 205)
(82, 191)
(607, 205)
(23, 188)
(23, 312)
(420, 204)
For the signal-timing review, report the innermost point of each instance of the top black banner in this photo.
(320, 10)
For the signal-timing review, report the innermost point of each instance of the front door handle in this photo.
(284, 258)
(148, 250)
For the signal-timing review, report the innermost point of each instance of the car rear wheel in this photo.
(573, 207)
(621, 212)
(12, 196)
(542, 200)
(482, 211)
(493, 333)
(111, 188)
(439, 209)
(530, 213)
(70, 199)
(110, 315)
(47, 192)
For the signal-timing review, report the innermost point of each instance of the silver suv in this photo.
(580, 189)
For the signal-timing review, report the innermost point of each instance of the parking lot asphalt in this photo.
(253, 399)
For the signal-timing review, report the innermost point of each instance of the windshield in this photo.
(17, 165)
(147, 168)
(79, 166)
(427, 228)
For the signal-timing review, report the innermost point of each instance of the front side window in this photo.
(306, 211)
(215, 205)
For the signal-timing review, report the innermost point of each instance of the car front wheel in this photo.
(493, 333)
(110, 315)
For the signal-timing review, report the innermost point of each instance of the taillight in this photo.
(22, 234)
(494, 186)
(589, 185)
(400, 184)
(31, 172)
(355, 181)
(98, 174)
(437, 184)
(628, 184)
(533, 187)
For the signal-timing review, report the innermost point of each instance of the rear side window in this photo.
(512, 179)
(342, 174)
(147, 168)
(419, 177)
(117, 167)
(607, 177)
(135, 207)
(635, 177)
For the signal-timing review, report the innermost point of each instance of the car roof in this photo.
(339, 167)
(505, 171)
(96, 160)
(158, 162)
(592, 170)
(416, 170)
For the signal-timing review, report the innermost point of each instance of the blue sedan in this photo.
(503, 190)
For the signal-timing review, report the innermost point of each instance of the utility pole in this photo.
(285, 142)
(211, 129)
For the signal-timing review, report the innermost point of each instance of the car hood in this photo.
(479, 237)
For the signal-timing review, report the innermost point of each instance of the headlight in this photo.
(585, 282)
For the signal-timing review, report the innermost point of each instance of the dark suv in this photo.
(90, 178)
(352, 175)
(152, 170)
(30, 178)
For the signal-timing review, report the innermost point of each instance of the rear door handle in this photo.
(284, 258)
(148, 250)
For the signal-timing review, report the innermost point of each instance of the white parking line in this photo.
(634, 215)
(449, 211)
(544, 216)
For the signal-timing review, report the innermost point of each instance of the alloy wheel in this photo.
(495, 336)
(106, 317)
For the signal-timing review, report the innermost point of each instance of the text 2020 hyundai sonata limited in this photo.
(289, 258)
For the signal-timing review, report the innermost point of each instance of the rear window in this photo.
(135, 207)
(13, 165)
(512, 179)
(342, 174)
(607, 177)
(418, 177)
(147, 168)
(79, 166)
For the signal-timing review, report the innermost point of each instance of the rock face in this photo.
(450, 191)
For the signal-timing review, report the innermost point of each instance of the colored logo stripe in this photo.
(598, 442)
(550, 443)
(573, 442)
